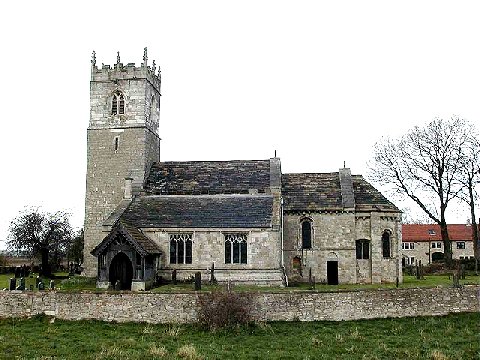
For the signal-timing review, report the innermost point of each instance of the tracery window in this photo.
(362, 249)
(236, 248)
(181, 248)
(386, 244)
(306, 234)
(118, 103)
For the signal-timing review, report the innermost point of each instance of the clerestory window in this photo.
(118, 103)
(181, 248)
(236, 248)
(362, 249)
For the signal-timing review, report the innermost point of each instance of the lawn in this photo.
(78, 283)
(450, 337)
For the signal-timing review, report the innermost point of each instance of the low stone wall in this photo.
(303, 306)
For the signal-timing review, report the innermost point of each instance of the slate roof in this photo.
(431, 232)
(366, 196)
(322, 191)
(208, 177)
(309, 191)
(200, 211)
(135, 237)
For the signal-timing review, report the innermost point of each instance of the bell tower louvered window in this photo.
(118, 103)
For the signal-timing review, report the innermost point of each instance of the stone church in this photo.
(145, 218)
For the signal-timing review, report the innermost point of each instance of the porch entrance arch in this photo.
(121, 269)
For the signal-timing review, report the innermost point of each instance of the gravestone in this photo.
(38, 280)
(118, 285)
(21, 286)
(212, 275)
(13, 284)
(198, 281)
(41, 286)
(52, 285)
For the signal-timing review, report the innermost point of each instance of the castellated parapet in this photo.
(122, 141)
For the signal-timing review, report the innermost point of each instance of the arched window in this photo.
(362, 249)
(236, 248)
(118, 103)
(306, 234)
(181, 248)
(386, 244)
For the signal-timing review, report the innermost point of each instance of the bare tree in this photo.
(469, 176)
(423, 165)
(39, 233)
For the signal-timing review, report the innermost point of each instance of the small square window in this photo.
(460, 244)
(431, 232)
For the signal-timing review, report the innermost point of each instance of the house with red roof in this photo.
(423, 242)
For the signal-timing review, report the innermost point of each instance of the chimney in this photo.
(128, 188)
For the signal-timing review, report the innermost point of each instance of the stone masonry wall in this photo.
(209, 247)
(334, 236)
(285, 306)
(135, 133)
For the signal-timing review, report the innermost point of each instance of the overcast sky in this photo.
(318, 81)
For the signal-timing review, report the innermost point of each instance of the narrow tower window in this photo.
(115, 144)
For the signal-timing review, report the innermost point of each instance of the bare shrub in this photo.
(158, 351)
(438, 355)
(188, 352)
(223, 309)
(173, 330)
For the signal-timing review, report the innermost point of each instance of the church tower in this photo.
(122, 142)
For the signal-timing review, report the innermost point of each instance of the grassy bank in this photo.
(451, 337)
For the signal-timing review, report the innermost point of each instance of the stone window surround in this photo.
(185, 237)
(460, 245)
(300, 233)
(117, 103)
(387, 243)
(232, 238)
(362, 249)
(436, 245)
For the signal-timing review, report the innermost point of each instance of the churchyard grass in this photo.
(408, 282)
(78, 283)
(451, 337)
